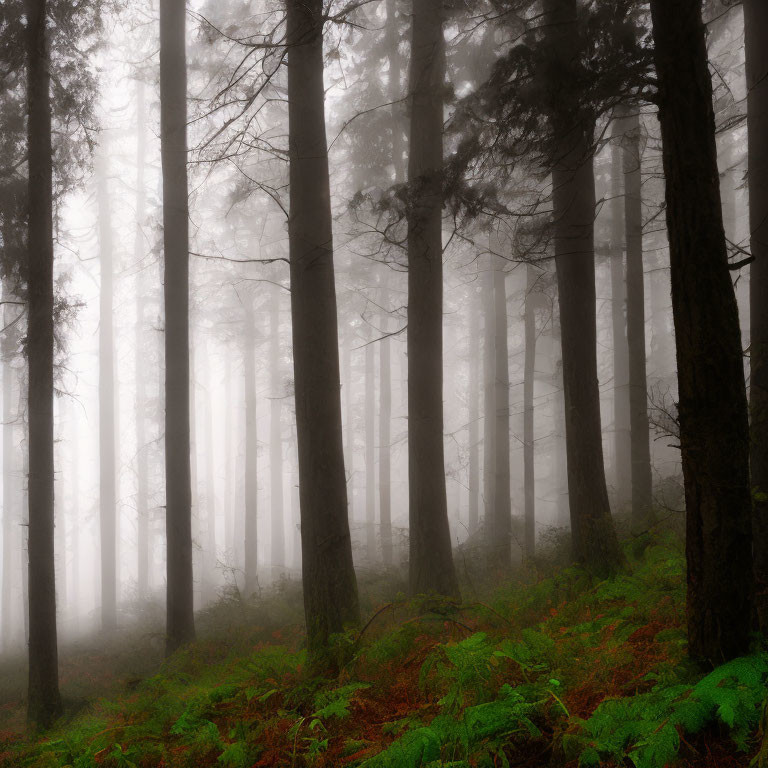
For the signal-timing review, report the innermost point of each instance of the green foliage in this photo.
(646, 728)
(335, 703)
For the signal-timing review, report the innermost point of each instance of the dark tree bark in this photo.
(330, 586)
(276, 436)
(595, 544)
(529, 373)
(251, 451)
(640, 435)
(107, 479)
(712, 408)
(756, 32)
(621, 418)
(473, 483)
(44, 701)
(431, 556)
(173, 137)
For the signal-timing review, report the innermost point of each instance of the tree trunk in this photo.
(370, 451)
(142, 466)
(229, 459)
(330, 586)
(44, 701)
(10, 519)
(756, 31)
(529, 373)
(595, 544)
(276, 437)
(499, 525)
(431, 556)
(209, 550)
(640, 436)
(489, 397)
(385, 429)
(251, 451)
(173, 135)
(621, 397)
(107, 479)
(473, 482)
(712, 407)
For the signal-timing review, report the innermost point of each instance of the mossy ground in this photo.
(547, 669)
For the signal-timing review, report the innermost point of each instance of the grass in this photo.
(555, 670)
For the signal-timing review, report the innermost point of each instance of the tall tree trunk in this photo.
(251, 451)
(107, 478)
(640, 436)
(349, 419)
(489, 397)
(621, 396)
(75, 512)
(330, 586)
(173, 142)
(229, 459)
(10, 516)
(44, 701)
(756, 31)
(385, 429)
(529, 373)
(370, 451)
(209, 550)
(499, 525)
(473, 480)
(276, 437)
(712, 407)
(139, 252)
(595, 544)
(431, 555)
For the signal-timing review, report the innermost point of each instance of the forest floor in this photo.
(557, 669)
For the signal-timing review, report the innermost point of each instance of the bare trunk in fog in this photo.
(139, 252)
(431, 556)
(621, 397)
(251, 451)
(489, 397)
(385, 429)
(276, 436)
(573, 198)
(756, 30)
(10, 515)
(107, 479)
(330, 586)
(473, 480)
(229, 459)
(209, 548)
(529, 373)
(44, 701)
(499, 526)
(640, 436)
(370, 451)
(712, 407)
(178, 491)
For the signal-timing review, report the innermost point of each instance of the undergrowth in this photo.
(562, 670)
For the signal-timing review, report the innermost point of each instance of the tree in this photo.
(276, 434)
(328, 576)
(107, 479)
(573, 212)
(712, 407)
(44, 700)
(756, 36)
(251, 449)
(474, 308)
(640, 436)
(431, 557)
(529, 374)
(180, 623)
